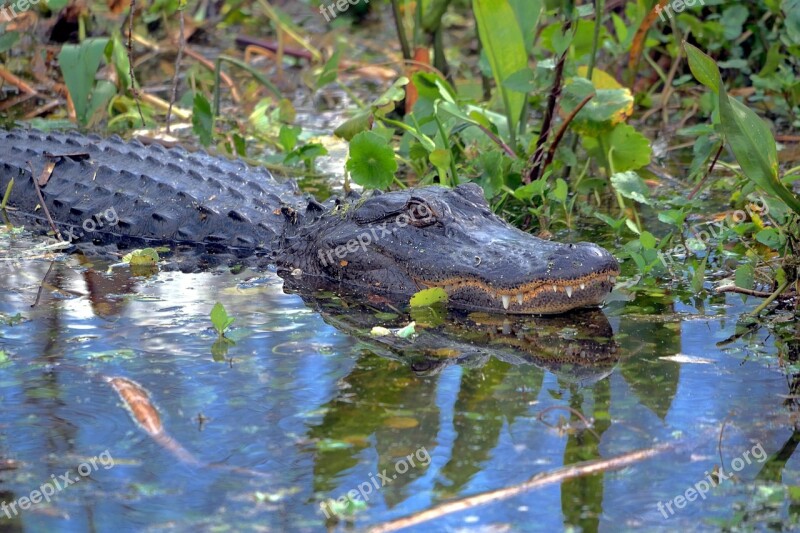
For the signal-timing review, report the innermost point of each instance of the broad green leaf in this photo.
(117, 55)
(791, 11)
(440, 158)
(79, 64)
(371, 163)
(427, 297)
(102, 93)
(349, 128)
(202, 119)
(505, 49)
(288, 137)
(7, 40)
(627, 148)
(770, 237)
(143, 257)
(600, 78)
(220, 318)
(733, 18)
(703, 67)
(630, 185)
(754, 147)
(527, 15)
(699, 276)
(606, 109)
(306, 153)
(560, 191)
(521, 81)
(330, 70)
(393, 94)
(745, 275)
(648, 240)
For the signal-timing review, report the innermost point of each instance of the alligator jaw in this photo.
(536, 297)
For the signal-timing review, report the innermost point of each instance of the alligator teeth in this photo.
(506, 301)
(520, 296)
(583, 286)
(612, 279)
(555, 288)
(568, 290)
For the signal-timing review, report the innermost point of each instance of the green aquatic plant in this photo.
(220, 319)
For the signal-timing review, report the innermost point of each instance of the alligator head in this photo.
(400, 242)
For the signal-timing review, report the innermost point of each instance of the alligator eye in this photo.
(420, 214)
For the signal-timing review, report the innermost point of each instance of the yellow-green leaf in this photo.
(428, 297)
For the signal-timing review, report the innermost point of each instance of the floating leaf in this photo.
(144, 257)
(427, 297)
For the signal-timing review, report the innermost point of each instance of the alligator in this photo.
(381, 245)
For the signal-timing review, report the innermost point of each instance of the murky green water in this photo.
(299, 411)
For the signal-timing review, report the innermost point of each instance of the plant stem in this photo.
(401, 30)
(599, 6)
(770, 298)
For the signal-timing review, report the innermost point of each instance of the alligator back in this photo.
(104, 191)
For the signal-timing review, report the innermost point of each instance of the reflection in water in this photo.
(309, 397)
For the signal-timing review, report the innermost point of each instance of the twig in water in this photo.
(540, 480)
(48, 168)
(740, 290)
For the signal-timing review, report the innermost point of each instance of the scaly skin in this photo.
(391, 244)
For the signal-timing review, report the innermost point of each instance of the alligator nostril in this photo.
(477, 261)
